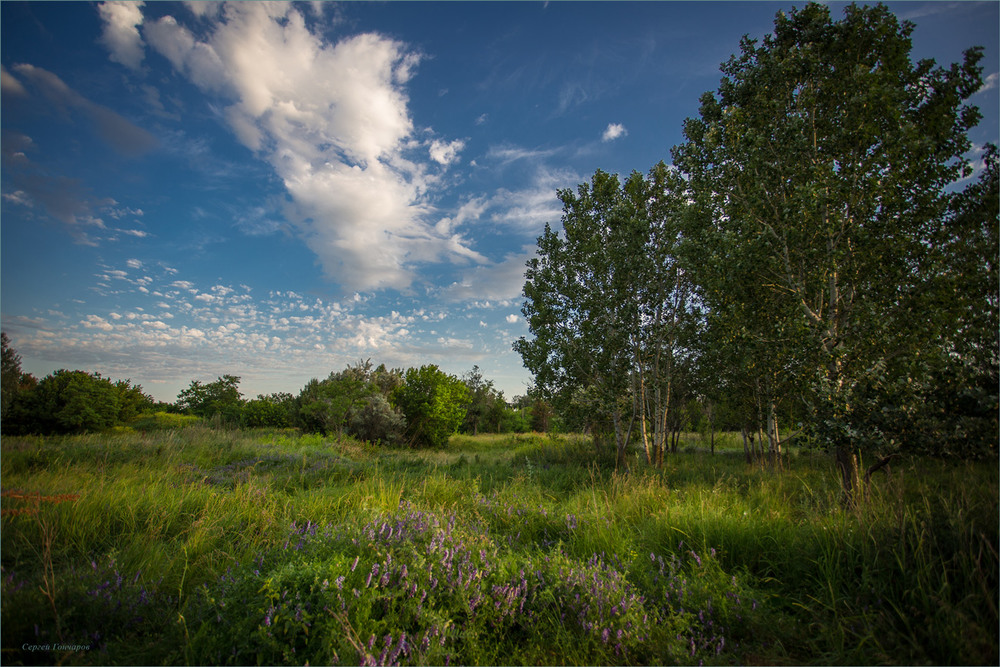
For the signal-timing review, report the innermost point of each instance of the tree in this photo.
(376, 420)
(821, 171)
(434, 404)
(485, 402)
(222, 398)
(12, 379)
(271, 411)
(579, 299)
(609, 307)
(67, 402)
(131, 401)
(328, 406)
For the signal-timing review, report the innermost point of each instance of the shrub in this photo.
(378, 421)
(434, 404)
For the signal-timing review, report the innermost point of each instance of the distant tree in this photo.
(67, 402)
(270, 411)
(327, 406)
(131, 401)
(484, 402)
(222, 398)
(376, 420)
(434, 404)
(12, 379)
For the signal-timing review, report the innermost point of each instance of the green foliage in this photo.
(74, 402)
(222, 398)
(819, 172)
(434, 404)
(12, 380)
(376, 420)
(271, 411)
(161, 420)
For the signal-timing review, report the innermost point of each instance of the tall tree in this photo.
(579, 300)
(822, 165)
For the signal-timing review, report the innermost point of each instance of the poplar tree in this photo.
(820, 168)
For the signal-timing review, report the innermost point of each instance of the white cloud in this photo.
(511, 319)
(446, 153)
(134, 264)
(613, 131)
(332, 120)
(18, 197)
(530, 208)
(121, 34)
(507, 153)
(990, 82)
(501, 281)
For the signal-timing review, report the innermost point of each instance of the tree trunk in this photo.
(847, 465)
(746, 445)
(711, 426)
(642, 424)
(773, 438)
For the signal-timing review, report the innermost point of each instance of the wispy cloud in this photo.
(507, 153)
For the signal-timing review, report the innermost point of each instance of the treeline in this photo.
(418, 407)
(815, 261)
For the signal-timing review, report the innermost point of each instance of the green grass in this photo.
(198, 545)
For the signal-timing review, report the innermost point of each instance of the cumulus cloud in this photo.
(446, 153)
(121, 32)
(511, 319)
(613, 131)
(332, 120)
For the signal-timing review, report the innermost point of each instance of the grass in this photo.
(194, 545)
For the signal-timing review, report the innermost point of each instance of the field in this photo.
(201, 546)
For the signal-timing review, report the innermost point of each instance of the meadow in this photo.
(203, 546)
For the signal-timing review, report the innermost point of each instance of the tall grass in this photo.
(188, 546)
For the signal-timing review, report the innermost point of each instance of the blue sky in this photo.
(277, 190)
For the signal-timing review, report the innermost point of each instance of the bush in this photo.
(162, 421)
(434, 404)
(74, 402)
(378, 421)
(273, 411)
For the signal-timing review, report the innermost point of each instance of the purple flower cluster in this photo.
(427, 587)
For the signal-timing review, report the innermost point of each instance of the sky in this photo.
(276, 191)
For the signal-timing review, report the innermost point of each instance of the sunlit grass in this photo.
(910, 577)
